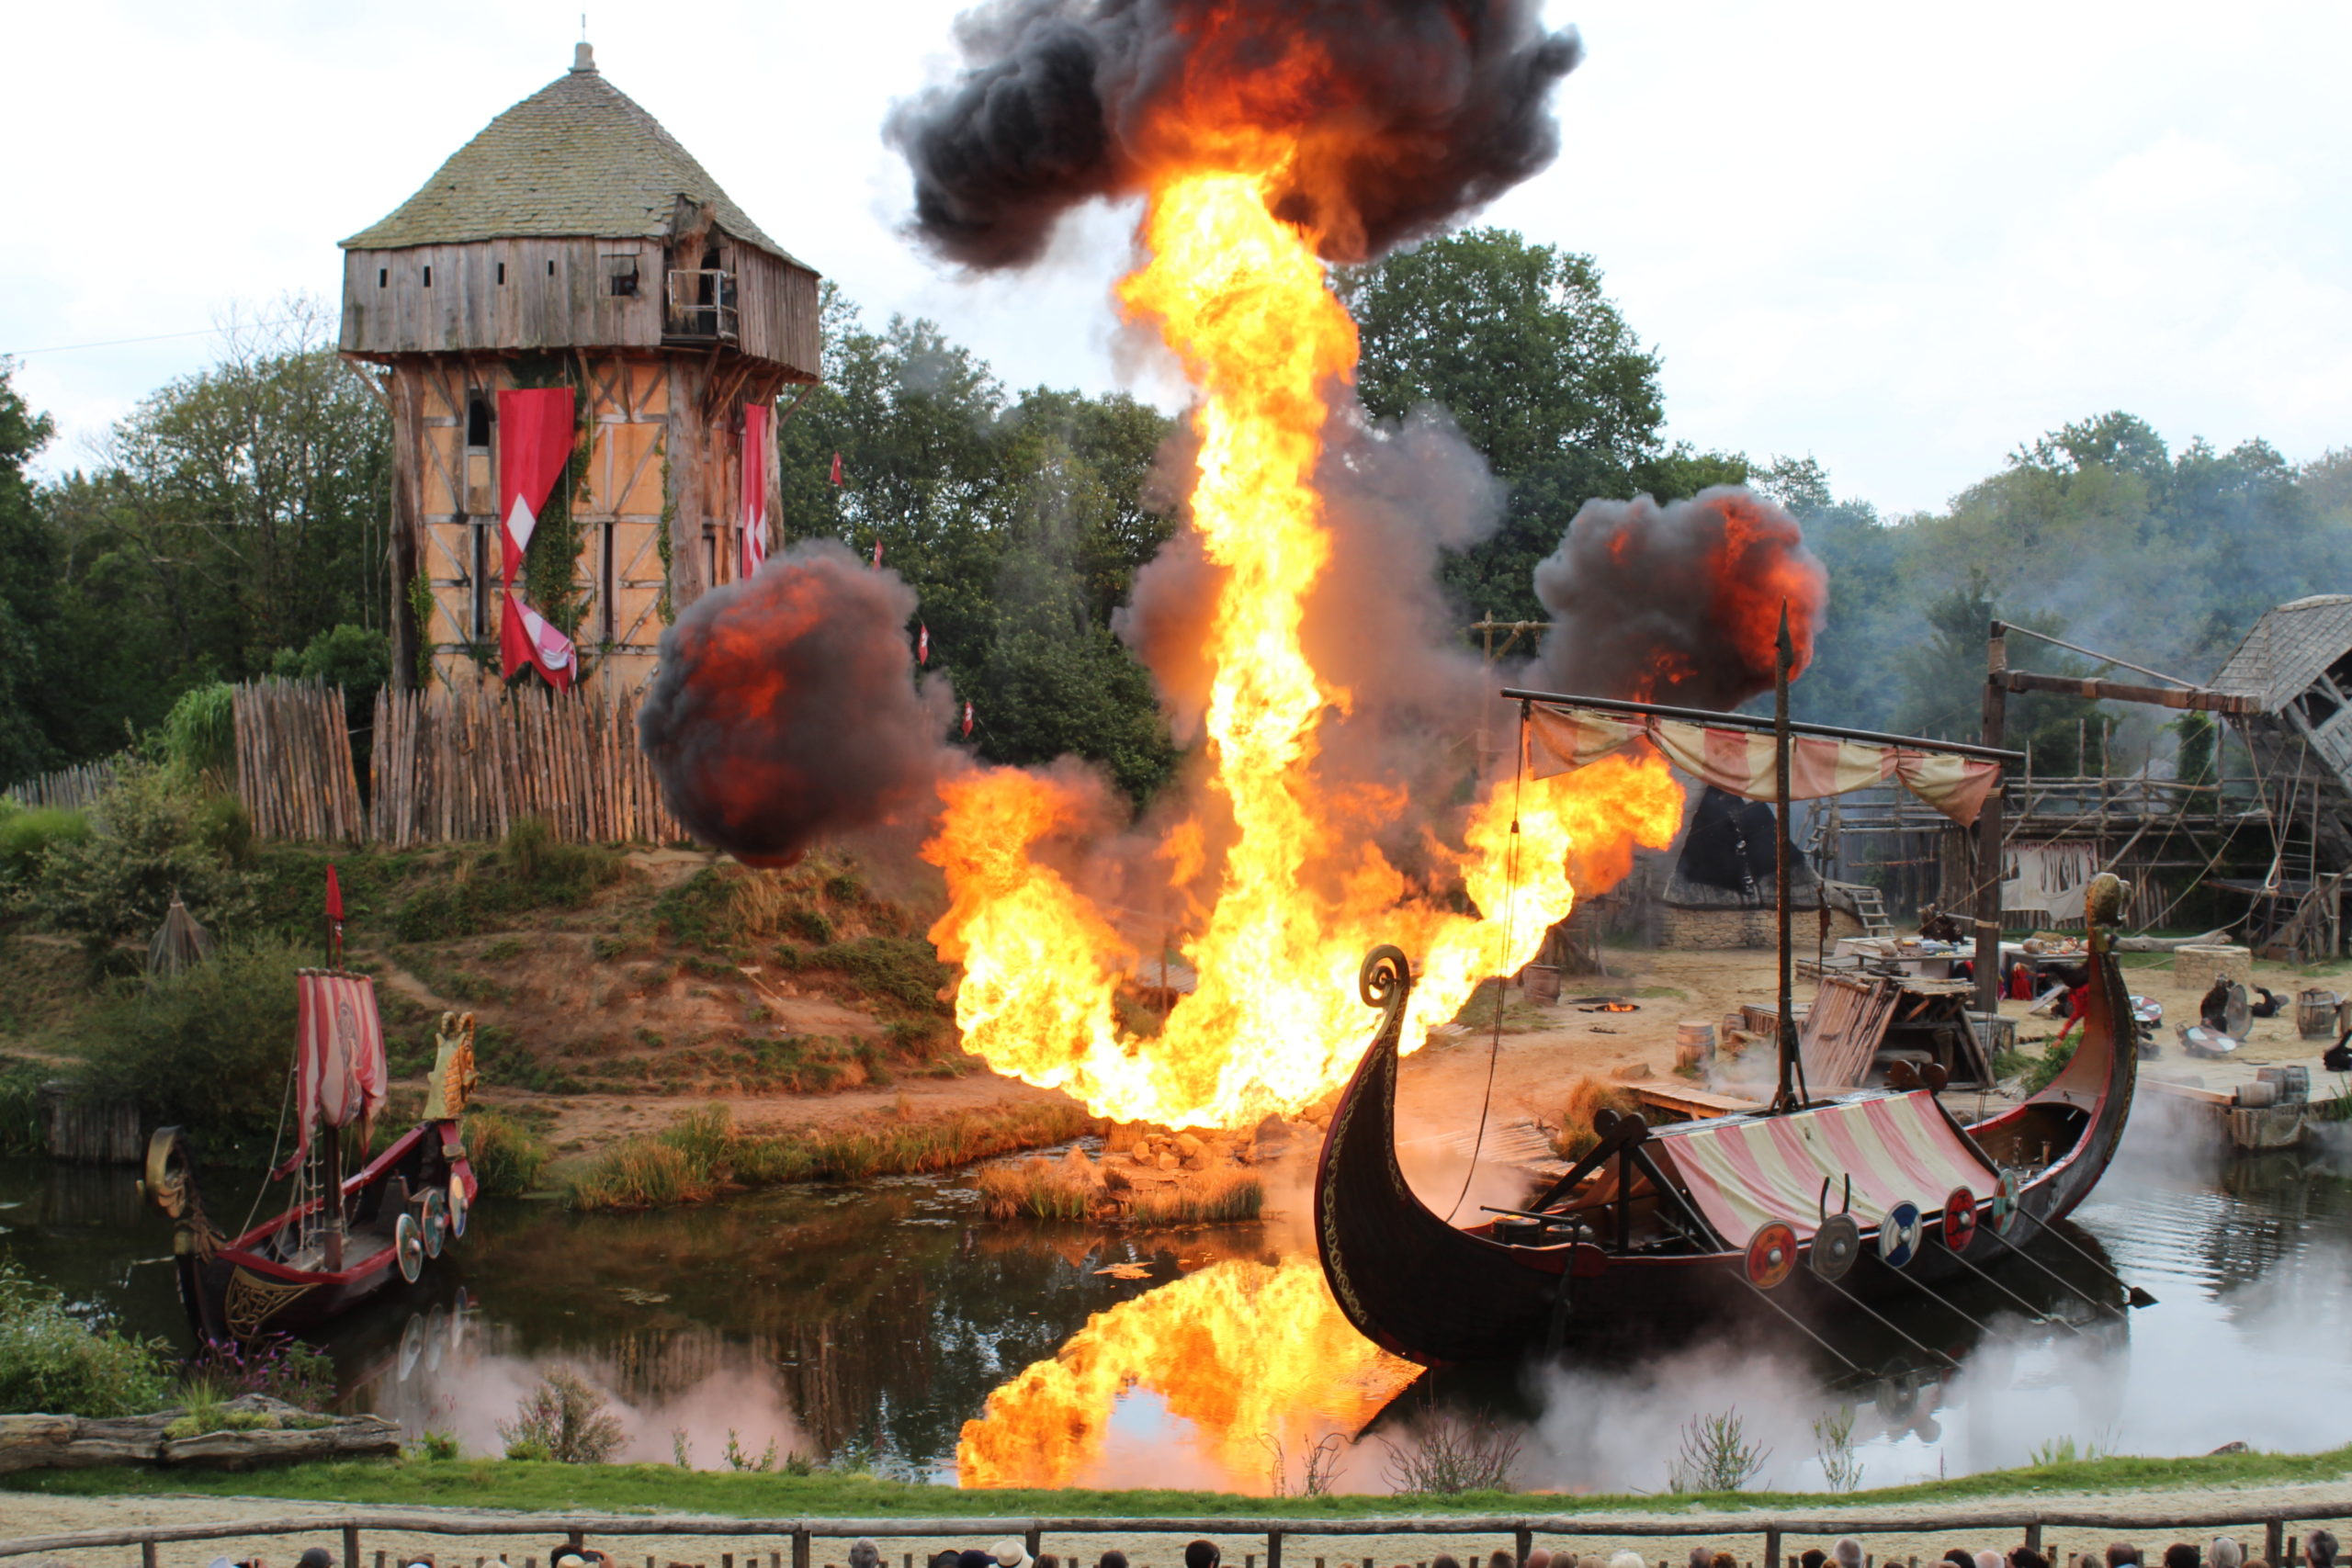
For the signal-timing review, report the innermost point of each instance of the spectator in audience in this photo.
(1113, 1559)
(1626, 1560)
(1011, 1553)
(1813, 1557)
(2026, 1557)
(1961, 1557)
(1848, 1552)
(1501, 1558)
(1443, 1560)
(2223, 1551)
(2180, 1554)
(2122, 1554)
(1048, 1560)
(864, 1554)
(1197, 1554)
(973, 1557)
(2319, 1549)
(315, 1557)
(1539, 1558)
(1723, 1560)
(947, 1558)
(1702, 1557)
(1989, 1559)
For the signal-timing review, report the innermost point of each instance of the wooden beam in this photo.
(2195, 697)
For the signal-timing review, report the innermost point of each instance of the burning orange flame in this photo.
(1239, 1349)
(1275, 1024)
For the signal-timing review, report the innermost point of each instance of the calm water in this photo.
(869, 1325)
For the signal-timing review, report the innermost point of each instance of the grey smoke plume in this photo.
(1676, 603)
(1407, 113)
(784, 710)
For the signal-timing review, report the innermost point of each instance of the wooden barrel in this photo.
(1694, 1043)
(2258, 1096)
(2315, 1013)
(2293, 1081)
(1542, 983)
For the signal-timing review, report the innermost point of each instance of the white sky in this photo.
(1870, 232)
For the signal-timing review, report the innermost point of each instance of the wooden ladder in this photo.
(1872, 908)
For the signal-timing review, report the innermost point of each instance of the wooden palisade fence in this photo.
(445, 766)
(294, 771)
(469, 764)
(75, 788)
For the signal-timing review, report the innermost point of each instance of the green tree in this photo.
(1520, 344)
(28, 610)
(236, 514)
(1021, 523)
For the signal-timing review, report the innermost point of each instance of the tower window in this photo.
(607, 589)
(550, 266)
(428, 277)
(479, 596)
(478, 417)
(620, 276)
(383, 276)
(502, 274)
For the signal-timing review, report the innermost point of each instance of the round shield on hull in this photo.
(408, 1243)
(434, 1222)
(1899, 1236)
(460, 1207)
(1771, 1256)
(1834, 1246)
(1960, 1219)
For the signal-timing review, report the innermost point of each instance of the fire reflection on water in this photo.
(1256, 1360)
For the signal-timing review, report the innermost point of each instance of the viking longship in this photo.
(1819, 1210)
(344, 1235)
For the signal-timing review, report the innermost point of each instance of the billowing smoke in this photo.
(785, 708)
(1405, 114)
(1678, 603)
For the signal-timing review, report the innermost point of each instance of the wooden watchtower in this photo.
(572, 241)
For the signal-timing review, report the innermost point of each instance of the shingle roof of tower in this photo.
(576, 158)
(2287, 649)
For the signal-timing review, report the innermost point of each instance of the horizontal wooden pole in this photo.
(2194, 698)
(1755, 721)
(2257, 1509)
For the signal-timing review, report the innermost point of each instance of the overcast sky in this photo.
(1902, 244)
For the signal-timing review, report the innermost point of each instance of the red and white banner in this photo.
(755, 488)
(526, 635)
(338, 1055)
(1740, 762)
(535, 434)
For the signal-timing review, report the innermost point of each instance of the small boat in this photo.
(341, 1238)
(1829, 1207)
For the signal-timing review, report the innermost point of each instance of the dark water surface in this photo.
(868, 1326)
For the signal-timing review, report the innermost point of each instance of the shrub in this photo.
(904, 969)
(1716, 1455)
(507, 1156)
(208, 1048)
(28, 830)
(277, 1365)
(1446, 1454)
(52, 1362)
(1219, 1198)
(563, 1419)
(2044, 1070)
(22, 1130)
(198, 737)
(149, 839)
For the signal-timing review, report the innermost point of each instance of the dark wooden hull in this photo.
(245, 1290)
(1439, 1294)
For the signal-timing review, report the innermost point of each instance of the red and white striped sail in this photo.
(339, 1073)
(1740, 762)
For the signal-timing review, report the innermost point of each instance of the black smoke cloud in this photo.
(784, 709)
(1676, 603)
(1406, 113)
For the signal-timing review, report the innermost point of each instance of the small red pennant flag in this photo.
(837, 468)
(877, 552)
(335, 894)
(968, 721)
(923, 644)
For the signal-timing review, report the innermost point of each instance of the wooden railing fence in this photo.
(468, 764)
(294, 771)
(1773, 1530)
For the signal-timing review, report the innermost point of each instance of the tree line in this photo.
(234, 524)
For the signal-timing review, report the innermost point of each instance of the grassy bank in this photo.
(529, 1485)
(1074, 1190)
(704, 1153)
